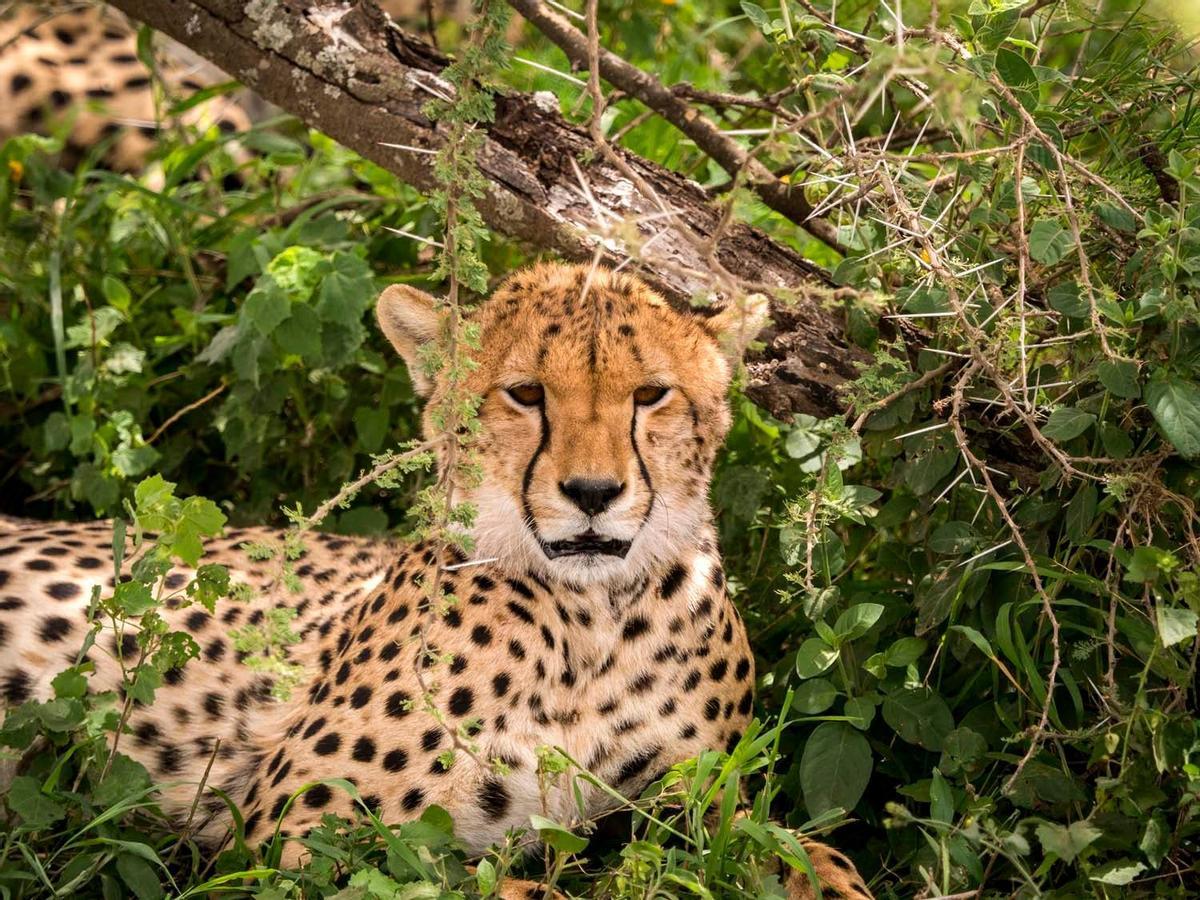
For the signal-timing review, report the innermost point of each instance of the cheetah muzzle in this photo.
(591, 616)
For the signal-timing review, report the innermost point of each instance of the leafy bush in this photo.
(974, 599)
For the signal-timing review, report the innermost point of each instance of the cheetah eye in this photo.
(526, 394)
(649, 394)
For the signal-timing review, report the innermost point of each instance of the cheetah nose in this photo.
(592, 495)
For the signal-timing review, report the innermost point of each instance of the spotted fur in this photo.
(629, 662)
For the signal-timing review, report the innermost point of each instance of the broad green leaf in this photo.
(1014, 70)
(905, 651)
(557, 836)
(1049, 241)
(265, 308)
(1120, 377)
(814, 657)
(814, 697)
(919, 716)
(860, 711)
(1119, 873)
(26, 799)
(1067, 841)
(835, 768)
(1175, 625)
(1156, 840)
(857, 620)
(1067, 423)
(953, 538)
(1081, 513)
(139, 876)
(1175, 405)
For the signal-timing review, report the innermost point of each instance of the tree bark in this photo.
(349, 72)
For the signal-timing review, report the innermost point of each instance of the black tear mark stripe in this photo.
(527, 479)
(637, 452)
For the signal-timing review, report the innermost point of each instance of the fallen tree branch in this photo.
(670, 104)
(346, 70)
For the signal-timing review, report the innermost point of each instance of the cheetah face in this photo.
(602, 410)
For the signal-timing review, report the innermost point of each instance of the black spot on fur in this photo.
(413, 799)
(360, 697)
(317, 796)
(364, 750)
(54, 629)
(63, 590)
(327, 744)
(461, 701)
(494, 799)
(395, 760)
(635, 628)
(431, 739)
(481, 635)
(672, 581)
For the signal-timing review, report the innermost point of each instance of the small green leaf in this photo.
(953, 538)
(1081, 513)
(1066, 423)
(941, 799)
(1176, 625)
(904, 652)
(1049, 241)
(814, 657)
(860, 712)
(1119, 872)
(1067, 841)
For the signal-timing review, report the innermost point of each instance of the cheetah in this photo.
(63, 62)
(591, 616)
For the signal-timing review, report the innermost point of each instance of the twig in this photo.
(179, 414)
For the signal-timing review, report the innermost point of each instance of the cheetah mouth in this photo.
(587, 544)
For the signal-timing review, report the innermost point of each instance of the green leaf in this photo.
(557, 836)
(857, 620)
(814, 657)
(860, 711)
(953, 538)
(1067, 841)
(1175, 405)
(814, 697)
(1081, 513)
(1120, 376)
(1156, 840)
(1014, 70)
(485, 876)
(126, 779)
(36, 809)
(1049, 241)
(835, 768)
(371, 423)
(69, 684)
(941, 799)
(905, 651)
(266, 307)
(1119, 872)
(139, 876)
(919, 716)
(1175, 625)
(1066, 423)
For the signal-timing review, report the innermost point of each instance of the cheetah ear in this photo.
(410, 319)
(739, 323)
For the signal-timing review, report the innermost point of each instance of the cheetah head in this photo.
(602, 410)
